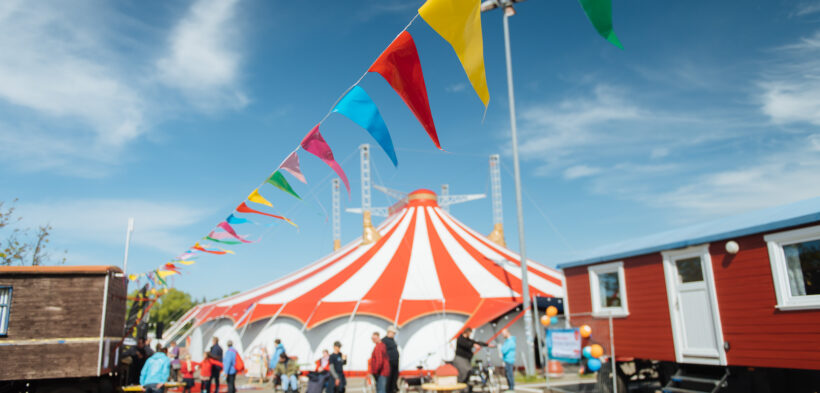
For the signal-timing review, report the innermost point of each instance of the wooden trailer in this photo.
(60, 326)
(728, 305)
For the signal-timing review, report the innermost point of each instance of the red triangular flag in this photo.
(399, 65)
(243, 208)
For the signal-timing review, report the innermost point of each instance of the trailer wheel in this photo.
(604, 379)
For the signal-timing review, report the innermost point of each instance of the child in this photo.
(205, 371)
(187, 370)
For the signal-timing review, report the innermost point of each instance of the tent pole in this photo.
(311, 315)
(247, 315)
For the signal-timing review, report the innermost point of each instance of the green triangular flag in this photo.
(222, 241)
(278, 180)
(599, 13)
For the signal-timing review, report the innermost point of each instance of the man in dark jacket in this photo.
(464, 354)
(393, 358)
(216, 353)
(337, 362)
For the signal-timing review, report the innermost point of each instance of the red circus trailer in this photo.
(728, 305)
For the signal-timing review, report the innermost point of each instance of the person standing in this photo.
(379, 365)
(156, 371)
(464, 354)
(173, 354)
(205, 369)
(287, 369)
(508, 355)
(216, 354)
(392, 358)
(278, 350)
(230, 367)
(187, 368)
(337, 362)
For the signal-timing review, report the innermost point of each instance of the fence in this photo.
(578, 377)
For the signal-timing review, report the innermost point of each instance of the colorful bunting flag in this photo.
(459, 23)
(255, 197)
(133, 277)
(399, 65)
(223, 235)
(184, 262)
(162, 274)
(291, 165)
(599, 13)
(229, 242)
(279, 181)
(243, 208)
(236, 220)
(358, 106)
(227, 227)
(200, 248)
(316, 145)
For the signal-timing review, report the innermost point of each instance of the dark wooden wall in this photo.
(54, 324)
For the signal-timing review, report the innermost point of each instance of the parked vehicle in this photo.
(62, 328)
(729, 305)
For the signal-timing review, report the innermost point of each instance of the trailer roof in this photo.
(95, 269)
(759, 221)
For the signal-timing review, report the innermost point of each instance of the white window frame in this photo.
(594, 288)
(6, 308)
(780, 275)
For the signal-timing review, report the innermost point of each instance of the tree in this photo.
(18, 246)
(171, 306)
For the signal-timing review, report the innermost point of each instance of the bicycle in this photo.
(483, 374)
(413, 383)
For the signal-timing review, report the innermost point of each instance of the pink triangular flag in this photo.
(227, 227)
(291, 165)
(316, 145)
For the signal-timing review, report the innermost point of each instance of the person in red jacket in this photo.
(205, 368)
(187, 368)
(379, 364)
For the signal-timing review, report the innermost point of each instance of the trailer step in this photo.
(681, 390)
(697, 379)
(686, 378)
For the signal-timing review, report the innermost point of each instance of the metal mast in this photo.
(364, 154)
(525, 290)
(445, 194)
(337, 217)
(497, 235)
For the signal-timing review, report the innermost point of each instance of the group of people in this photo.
(329, 369)
(384, 361)
(465, 346)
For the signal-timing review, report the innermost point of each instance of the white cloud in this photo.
(577, 171)
(203, 60)
(103, 221)
(791, 88)
(455, 88)
(659, 152)
(53, 62)
(779, 178)
(807, 8)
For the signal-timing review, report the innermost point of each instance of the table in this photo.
(443, 388)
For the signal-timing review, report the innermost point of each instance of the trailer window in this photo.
(5, 308)
(795, 260)
(608, 290)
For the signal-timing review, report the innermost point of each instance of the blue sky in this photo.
(172, 112)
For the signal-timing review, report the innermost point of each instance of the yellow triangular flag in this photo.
(184, 262)
(228, 251)
(459, 22)
(257, 198)
(133, 277)
(165, 273)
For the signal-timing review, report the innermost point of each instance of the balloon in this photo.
(593, 365)
(545, 320)
(587, 351)
(596, 350)
(586, 331)
(552, 311)
(554, 320)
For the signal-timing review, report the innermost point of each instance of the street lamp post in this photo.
(525, 289)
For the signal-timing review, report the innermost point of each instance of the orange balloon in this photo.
(545, 320)
(586, 331)
(552, 311)
(596, 351)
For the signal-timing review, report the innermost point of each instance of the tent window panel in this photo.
(5, 309)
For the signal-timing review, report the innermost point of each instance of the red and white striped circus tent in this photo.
(424, 272)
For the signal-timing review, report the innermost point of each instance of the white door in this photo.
(693, 306)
